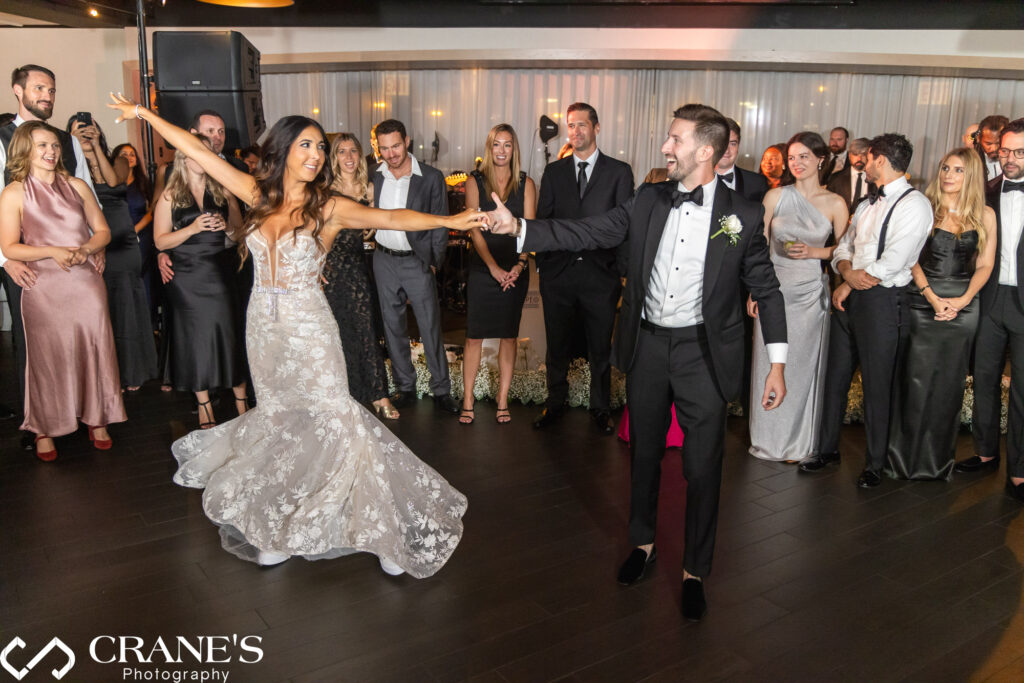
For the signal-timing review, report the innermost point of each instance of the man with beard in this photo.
(35, 88)
(851, 183)
(1002, 322)
(837, 160)
(988, 137)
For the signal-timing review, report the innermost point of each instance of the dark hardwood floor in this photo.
(814, 579)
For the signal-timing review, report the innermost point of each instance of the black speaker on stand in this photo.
(218, 70)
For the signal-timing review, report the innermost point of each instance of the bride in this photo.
(309, 471)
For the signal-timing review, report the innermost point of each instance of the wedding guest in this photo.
(587, 283)
(373, 158)
(405, 265)
(498, 276)
(122, 274)
(798, 219)
(932, 366)
(251, 157)
(970, 136)
(836, 161)
(35, 88)
(1002, 322)
(204, 345)
(875, 257)
(851, 183)
(749, 184)
(348, 288)
(772, 166)
(656, 175)
(53, 221)
(989, 133)
(140, 207)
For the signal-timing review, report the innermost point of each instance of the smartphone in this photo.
(84, 117)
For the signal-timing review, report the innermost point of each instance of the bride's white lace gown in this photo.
(309, 471)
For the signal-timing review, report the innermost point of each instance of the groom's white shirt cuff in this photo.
(777, 352)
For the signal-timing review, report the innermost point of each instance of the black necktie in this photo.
(876, 195)
(1010, 187)
(696, 196)
(859, 188)
(581, 179)
(728, 177)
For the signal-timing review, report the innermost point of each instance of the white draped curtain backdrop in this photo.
(635, 107)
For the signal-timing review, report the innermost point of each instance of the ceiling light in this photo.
(93, 12)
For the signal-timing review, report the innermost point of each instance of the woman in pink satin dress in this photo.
(53, 221)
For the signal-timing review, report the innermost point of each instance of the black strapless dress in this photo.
(126, 293)
(931, 369)
(205, 318)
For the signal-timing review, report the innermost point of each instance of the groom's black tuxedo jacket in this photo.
(993, 193)
(641, 221)
(610, 184)
(427, 194)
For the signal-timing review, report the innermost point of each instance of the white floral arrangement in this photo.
(731, 227)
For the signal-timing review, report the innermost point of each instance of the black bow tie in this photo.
(876, 195)
(728, 177)
(696, 196)
(1010, 187)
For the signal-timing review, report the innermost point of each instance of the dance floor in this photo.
(814, 579)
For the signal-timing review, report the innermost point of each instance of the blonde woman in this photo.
(53, 221)
(349, 291)
(931, 368)
(498, 275)
(191, 218)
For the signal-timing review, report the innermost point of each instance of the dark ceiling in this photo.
(882, 14)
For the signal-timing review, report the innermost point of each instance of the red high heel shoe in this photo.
(100, 444)
(45, 456)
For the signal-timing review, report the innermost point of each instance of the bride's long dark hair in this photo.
(270, 181)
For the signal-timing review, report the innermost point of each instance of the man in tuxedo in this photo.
(989, 129)
(35, 88)
(405, 265)
(837, 140)
(851, 183)
(585, 284)
(1002, 321)
(748, 184)
(693, 244)
(875, 257)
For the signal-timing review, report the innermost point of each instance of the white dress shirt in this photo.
(1011, 223)
(994, 168)
(394, 193)
(589, 169)
(675, 292)
(908, 229)
(81, 168)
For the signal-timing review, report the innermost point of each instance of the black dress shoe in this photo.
(818, 462)
(446, 403)
(694, 604)
(548, 417)
(603, 421)
(976, 464)
(401, 399)
(28, 441)
(632, 570)
(6, 413)
(868, 479)
(1015, 490)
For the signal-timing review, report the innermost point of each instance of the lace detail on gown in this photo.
(309, 471)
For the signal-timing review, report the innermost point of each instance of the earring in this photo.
(820, 164)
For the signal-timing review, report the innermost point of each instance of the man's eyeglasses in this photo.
(1017, 153)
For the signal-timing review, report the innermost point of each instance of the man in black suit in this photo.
(851, 183)
(585, 284)
(748, 184)
(1002, 321)
(989, 129)
(693, 244)
(405, 264)
(837, 140)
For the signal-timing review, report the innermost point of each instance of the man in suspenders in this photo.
(875, 257)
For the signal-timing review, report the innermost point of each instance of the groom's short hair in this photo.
(711, 127)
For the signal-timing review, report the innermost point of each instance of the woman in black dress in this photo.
(122, 274)
(931, 368)
(348, 288)
(140, 197)
(205, 318)
(498, 276)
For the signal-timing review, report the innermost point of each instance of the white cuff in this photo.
(522, 235)
(777, 352)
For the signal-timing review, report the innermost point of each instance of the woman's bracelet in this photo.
(137, 114)
(925, 287)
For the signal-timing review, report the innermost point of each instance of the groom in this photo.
(692, 243)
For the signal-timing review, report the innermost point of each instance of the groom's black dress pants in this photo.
(672, 366)
(842, 361)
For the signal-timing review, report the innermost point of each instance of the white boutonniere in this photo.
(730, 227)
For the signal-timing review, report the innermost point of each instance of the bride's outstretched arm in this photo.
(240, 184)
(343, 213)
